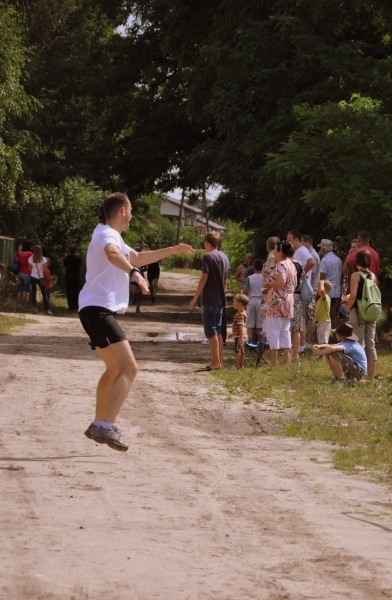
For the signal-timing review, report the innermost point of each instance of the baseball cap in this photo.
(325, 243)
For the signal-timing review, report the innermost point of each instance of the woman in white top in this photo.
(38, 265)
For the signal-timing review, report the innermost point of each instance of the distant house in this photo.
(191, 216)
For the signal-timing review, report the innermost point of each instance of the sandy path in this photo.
(206, 504)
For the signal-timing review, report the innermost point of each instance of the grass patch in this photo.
(357, 420)
(9, 322)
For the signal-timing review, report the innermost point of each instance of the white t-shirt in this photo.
(302, 254)
(254, 285)
(106, 285)
(37, 270)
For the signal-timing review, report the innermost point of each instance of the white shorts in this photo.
(323, 331)
(277, 330)
(254, 319)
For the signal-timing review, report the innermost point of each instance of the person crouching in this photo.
(346, 359)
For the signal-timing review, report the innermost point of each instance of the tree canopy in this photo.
(285, 104)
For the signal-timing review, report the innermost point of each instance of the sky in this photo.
(212, 193)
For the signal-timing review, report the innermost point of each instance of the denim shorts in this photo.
(212, 320)
(23, 284)
(101, 326)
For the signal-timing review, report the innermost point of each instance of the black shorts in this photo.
(101, 326)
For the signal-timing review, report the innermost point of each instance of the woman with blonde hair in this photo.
(38, 265)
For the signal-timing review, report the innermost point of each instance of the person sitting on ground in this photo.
(240, 302)
(322, 313)
(346, 359)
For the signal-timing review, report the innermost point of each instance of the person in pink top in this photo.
(363, 244)
(281, 284)
(23, 287)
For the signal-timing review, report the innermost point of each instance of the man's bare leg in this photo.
(116, 381)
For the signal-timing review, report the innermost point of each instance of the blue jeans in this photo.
(212, 320)
(23, 283)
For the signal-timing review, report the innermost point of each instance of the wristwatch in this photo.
(131, 272)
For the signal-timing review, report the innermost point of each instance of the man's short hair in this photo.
(364, 236)
(213, 238)
(297, 235)
(113, 202)
(307, 238)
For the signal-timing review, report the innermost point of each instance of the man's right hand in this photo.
(142, 283)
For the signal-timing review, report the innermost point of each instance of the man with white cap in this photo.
(346, 359)
(331, 269)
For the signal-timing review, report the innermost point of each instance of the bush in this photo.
(7, 290)
(184, 261)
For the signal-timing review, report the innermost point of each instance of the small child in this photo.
(240, 302)
(322, 312)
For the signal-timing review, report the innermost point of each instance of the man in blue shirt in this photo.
(346, 359)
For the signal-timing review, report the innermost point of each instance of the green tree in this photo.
(15, 108)
(341, 155)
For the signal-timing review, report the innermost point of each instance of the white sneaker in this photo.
(301, 349)
(204, 342)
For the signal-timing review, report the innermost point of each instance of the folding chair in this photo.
(261, 349)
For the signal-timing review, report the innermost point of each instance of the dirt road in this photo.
(207, 503)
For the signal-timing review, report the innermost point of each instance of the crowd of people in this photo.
(289, 301)
(299, 295)
(30, 271)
